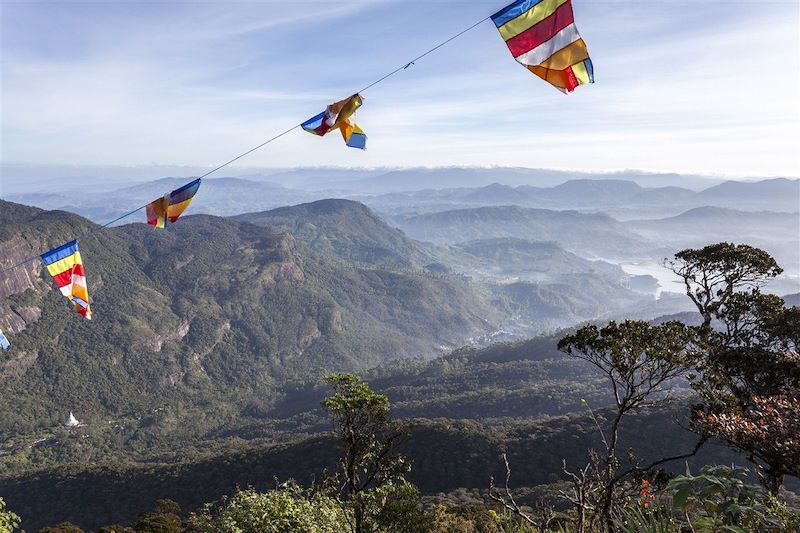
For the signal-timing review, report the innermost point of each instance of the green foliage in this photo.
(163, 519)
(370, 472)
(395, 507)
(64, 527)
(749, 374)
(354, 402)
(8, 520)
(720, 499)
(713, 273)
(639, 360)
(287, 509)
(638, 519)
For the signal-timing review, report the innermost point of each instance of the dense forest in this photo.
(216, 391)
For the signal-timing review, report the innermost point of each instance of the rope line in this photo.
(404, 66)
(410, 63)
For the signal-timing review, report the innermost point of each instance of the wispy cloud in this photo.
(683, 86)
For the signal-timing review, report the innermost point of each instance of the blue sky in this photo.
(707, 87)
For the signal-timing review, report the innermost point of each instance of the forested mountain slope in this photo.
(511, 388)
(346, 229)
(205, 315)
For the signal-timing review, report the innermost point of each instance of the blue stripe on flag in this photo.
(512, 11)
(358, 140)
(313, 122)
(57, 254)
(590, 69)
(80, 302)
(195, 183)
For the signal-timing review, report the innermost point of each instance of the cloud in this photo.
(681, 86)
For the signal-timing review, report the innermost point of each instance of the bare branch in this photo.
(508, 501)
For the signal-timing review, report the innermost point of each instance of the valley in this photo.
(202, 368)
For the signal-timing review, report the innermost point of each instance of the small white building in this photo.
(72, 422)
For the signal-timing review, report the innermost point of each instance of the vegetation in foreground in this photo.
(742, 361)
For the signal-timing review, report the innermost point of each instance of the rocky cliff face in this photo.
(14, 317)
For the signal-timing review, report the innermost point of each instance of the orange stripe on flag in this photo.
(567, 56)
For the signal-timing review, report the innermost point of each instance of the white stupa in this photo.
(72, 422)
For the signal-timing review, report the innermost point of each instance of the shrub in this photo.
(284, 510)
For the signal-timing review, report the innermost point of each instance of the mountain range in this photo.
(202, 367)
(626, 195)
(582, 233)
(212, 313)
(620, 198)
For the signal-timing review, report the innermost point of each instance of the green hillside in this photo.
(346, 229)
(466, 409)
(201, 321)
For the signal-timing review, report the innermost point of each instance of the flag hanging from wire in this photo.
(340, 115)
(171, 206)
(65, 265)
(542, 36)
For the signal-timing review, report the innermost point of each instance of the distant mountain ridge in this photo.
(624, 195)
(776, 232)
(347, 229)
(580, 233)
(779, 194)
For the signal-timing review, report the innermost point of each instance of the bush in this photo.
(718, 498)
(8, 520)
(284, 510)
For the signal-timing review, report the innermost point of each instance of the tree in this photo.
(164, 518)
(368, 440)
(749, 373)
(639, 360)
(8, 520)
(712, 274)
(768, 431)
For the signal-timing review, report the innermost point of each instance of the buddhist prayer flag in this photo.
(172, 205)
(542, 36)
(157, 212)
(340, 115)
(65, 265)
(4, 344)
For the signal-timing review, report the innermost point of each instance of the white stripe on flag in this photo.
(558, 41)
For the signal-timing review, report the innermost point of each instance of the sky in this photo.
(707, 87)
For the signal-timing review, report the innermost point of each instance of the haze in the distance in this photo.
(680, 87)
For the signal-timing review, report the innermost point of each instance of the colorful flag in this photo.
(172, 205)
(340, 115)
(157, 212)
(65, 265)
(542, 36)
(4, 344)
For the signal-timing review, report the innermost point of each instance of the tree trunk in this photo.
(772, 480)
(359, 519)
(605, 517)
